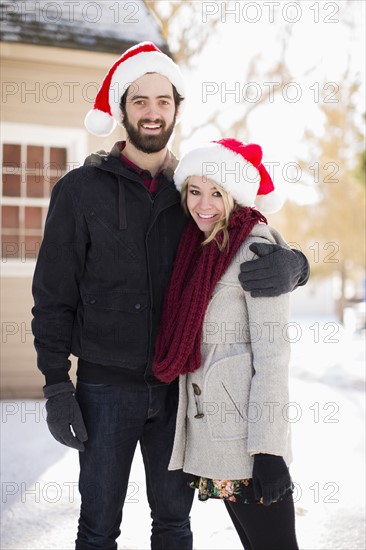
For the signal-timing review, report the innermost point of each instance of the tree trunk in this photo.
(341, 304)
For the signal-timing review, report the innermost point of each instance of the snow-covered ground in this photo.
(39, 477)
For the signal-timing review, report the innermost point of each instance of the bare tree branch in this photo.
(182, 27)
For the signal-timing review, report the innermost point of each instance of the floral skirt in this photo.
(237, 490)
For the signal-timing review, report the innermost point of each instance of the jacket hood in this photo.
(95, 159)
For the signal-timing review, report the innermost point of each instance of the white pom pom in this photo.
(99, 123)
(270, 203)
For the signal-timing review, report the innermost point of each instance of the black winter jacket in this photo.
(103, 267)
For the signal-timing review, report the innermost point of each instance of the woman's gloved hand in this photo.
(271, 478)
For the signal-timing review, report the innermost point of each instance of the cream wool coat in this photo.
(235, 404)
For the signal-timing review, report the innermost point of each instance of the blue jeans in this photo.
(116, 419)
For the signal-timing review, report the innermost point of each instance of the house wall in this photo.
(53, 87)
(19, 376)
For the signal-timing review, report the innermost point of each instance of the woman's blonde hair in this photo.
(221, 225)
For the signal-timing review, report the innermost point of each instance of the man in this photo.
(110, 240)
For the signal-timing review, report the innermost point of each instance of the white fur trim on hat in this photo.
(229, 170)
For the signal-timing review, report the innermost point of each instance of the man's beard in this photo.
(147, 143)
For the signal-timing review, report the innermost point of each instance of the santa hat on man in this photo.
(134, 63)
(237, 168)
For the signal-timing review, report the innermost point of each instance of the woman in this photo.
(230, 350)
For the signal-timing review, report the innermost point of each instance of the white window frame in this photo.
(74, 140)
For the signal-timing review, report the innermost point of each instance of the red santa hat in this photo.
(237, 168)
(134, 63)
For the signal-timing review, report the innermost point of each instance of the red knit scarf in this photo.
(196, 272)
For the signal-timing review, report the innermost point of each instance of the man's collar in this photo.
(168, 167)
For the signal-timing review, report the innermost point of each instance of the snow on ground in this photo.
(39, 477)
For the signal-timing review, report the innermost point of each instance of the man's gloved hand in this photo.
(63, 412)
(277, 270)
(271, 478)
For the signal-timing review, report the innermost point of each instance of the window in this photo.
(32, 160)
(29, 173)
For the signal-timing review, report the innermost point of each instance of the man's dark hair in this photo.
(177, 100)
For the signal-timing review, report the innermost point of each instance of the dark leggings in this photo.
(265, 527)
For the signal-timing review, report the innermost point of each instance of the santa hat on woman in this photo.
(237, 168)
(134, 63)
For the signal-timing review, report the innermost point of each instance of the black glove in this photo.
(271, 478)
(63, 411)
(277, 270)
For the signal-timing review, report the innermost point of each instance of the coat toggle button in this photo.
(196, 389)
